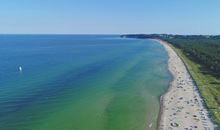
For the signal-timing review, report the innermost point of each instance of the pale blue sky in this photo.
(109, 16)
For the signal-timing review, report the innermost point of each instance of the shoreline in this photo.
(181, 106)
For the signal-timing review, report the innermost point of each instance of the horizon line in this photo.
(108, 34)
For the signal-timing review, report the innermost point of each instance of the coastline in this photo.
(181, 106)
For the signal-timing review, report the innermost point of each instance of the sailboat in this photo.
(20, 68)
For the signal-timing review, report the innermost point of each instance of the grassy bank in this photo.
(208, 85)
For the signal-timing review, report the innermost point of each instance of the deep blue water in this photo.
(67, 81)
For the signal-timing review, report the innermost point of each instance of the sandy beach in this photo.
(182, 107)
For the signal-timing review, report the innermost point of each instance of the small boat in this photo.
(20, 68)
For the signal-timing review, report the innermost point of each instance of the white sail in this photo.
(20, 68)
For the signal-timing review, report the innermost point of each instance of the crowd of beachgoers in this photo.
(182, 107)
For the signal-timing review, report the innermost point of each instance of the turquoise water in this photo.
(80, 82)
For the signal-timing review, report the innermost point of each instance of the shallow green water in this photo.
(79, 82)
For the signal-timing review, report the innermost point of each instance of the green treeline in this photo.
(203, 50)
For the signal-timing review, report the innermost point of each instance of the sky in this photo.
(109, 16)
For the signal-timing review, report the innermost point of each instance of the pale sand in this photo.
(182, 107)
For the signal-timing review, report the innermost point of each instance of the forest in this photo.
(205, 50)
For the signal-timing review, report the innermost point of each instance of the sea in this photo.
(81, 82)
